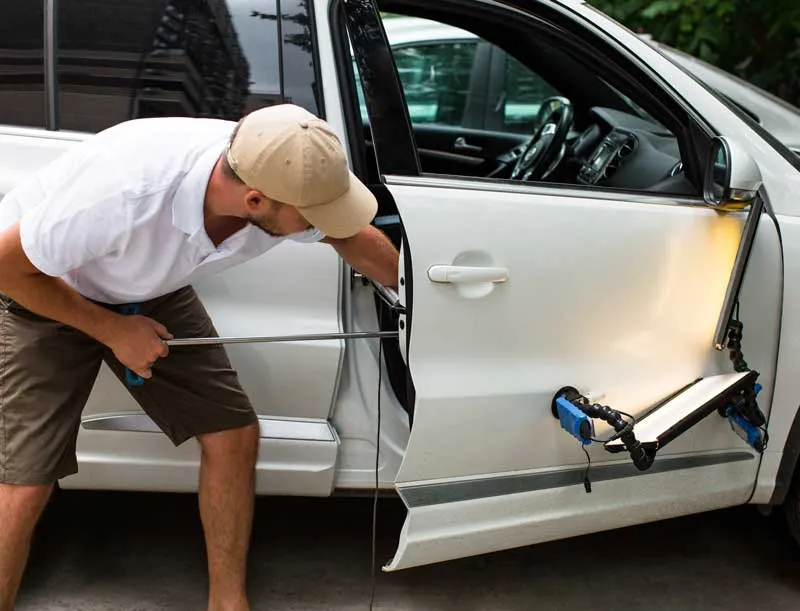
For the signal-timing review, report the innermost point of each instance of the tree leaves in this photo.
(756, 40)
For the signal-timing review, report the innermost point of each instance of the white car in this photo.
(561, 274)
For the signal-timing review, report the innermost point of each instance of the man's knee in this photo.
(21, 505)
(239, 443)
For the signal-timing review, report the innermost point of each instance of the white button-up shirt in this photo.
(120, 217)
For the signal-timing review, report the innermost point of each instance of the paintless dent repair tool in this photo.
(387, 295)
(204, 341)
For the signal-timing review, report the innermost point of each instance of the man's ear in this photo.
(255, 200)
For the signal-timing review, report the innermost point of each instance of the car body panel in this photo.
(578, 310)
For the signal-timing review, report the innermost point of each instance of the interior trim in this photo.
(474, 489)
(466, 159)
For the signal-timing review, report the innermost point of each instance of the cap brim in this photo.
(344, 216)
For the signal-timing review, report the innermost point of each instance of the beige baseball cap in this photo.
(294, 157)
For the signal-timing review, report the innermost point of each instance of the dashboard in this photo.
(621, 150)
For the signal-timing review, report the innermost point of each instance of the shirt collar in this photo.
(187, 204)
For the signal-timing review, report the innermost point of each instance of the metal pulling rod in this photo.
(200, 341)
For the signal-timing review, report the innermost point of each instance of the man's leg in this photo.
(20, 508)
(195, 392)
(227, 487)
(47, 371)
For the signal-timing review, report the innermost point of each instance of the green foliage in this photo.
(757, 40)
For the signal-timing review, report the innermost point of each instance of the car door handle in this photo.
(461, 145)
(463, 274)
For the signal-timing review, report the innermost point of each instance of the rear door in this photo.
(516, 290)
(213, 59)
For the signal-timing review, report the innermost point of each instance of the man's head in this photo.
(292, 172)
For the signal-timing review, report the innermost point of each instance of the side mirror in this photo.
(732, 176)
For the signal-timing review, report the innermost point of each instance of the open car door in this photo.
(508, 309)
(542, 317)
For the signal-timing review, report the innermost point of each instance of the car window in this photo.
(464, 82)
(436, 80)
(478, 110)
(22, 98)
(523, 94)
(125, 60)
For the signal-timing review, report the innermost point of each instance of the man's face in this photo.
(278, 219)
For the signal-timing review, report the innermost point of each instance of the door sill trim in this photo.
(269, 428)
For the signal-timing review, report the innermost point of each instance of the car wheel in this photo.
(791, 508)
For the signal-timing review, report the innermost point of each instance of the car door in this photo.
(220, 60)
(515, 290)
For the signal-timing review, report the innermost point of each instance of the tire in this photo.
(791, 508)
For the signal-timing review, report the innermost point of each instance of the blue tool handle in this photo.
(574, 421)
(131, 378)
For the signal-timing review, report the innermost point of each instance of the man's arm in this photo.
(47, 296)
(134, 340)
(371, 253)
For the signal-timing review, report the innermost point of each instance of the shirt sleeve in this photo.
(67, 230)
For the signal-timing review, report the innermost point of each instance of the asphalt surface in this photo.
(136, 551)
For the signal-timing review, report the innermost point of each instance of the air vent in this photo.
(627, 148)
(612, 166)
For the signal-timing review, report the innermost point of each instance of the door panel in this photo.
(617, 298)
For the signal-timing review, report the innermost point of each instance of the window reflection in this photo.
(124, 59)
(22, 65)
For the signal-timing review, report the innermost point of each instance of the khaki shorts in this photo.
(48, 370)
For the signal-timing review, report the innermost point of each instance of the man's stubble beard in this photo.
(264, 226)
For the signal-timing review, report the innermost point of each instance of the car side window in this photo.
(150, 58)
(523, 94)
(436, 80)
(451, 77)
(22, 97)
(522, 103)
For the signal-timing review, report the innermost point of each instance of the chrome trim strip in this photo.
(493, 185)
(471, 490)
(50, 64)
(198, 341)
(269, 428)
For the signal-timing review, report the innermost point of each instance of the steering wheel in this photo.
(554, 120)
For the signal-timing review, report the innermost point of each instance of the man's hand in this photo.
(371, 253)
(137, 343)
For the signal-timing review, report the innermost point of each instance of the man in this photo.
(134, 215)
